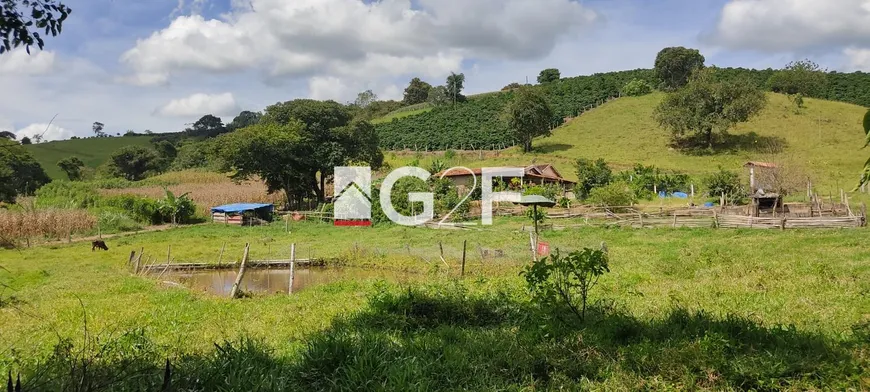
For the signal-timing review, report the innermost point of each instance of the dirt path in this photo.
(107, 236)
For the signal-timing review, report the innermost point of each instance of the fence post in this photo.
(292, 265)
(235, 290)
(782, 224)
(464, 242)
(675, 219)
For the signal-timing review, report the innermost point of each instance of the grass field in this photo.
(681, 309)
(92, 151)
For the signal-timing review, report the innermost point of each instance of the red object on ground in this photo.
(352, 223)
(543, 248)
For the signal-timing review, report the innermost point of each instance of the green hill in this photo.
(824, 141)
(92, 151)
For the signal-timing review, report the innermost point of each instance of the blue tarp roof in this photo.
(241, 207)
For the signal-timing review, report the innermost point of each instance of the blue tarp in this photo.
(241, 207)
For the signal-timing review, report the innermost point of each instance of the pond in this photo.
(271, 280)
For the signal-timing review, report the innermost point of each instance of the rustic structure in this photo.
(763, 199)
(532, 174)
(242, 213)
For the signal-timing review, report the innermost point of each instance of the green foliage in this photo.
(438, 96)
(67, 194)
(454, 85)
(704, 108)
(179, 209)
(511, 86)
(865, 173)
(477, 122)
(557, 282)
(550, 191)
(377, 110)
(437, 166)
(207, 126)
(647, 180)
(25, 23)
(528, 115)
(617, 196)
(26, 140)
(417, 92)
(365, 98)
(141, 209)
(244, 119)
(449, 154)
(591, 175)
(724, 182)
(549, 75)
(134, 163)
(194, 154)
(72, 166)
(799, 77)
(675, 65)
(20, 173)
(116, 220)
(636, 88)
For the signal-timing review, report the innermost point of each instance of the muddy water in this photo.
(220, 282)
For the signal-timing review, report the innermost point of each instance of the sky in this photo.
(161, 64)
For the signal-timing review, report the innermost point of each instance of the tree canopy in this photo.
(705, 107)
(365, 98)
(72, 166)
(799, 77)
(244, 119)
(7, 135)
(416, 92)
(675, 65)
(549, 75)
(454, 87)
(207, 126)
(133, 162)
(528, 115)
(20, 173)
(21, 22)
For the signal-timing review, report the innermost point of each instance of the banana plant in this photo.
(178, 208)
(865, 173)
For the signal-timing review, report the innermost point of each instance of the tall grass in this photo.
(207, 195)
(46, 224)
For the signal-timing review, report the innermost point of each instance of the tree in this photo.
(22, 20)
(326, 138)
(438, 96)
(704, 107)
(724, 182)
(416, 92)
(97, 127)
(25, 140)
(72, 166)
(245, 119)
(37, 138)
(365, 98)
(133, 162)
(454, 87)
(207, 126)
(179, 209)
(865, 173)
(636, 88)
(549, 75)
(799, 77)
(675, 65)
(528, 115)
(591, 175)
(7, 135)
(20, 173)
(512, 86)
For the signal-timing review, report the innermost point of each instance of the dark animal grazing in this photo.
(99, 244)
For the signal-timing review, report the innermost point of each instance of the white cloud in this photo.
(354, 39)
(324, 88)
(48, 132)
(858, 59)
(199, 105)
(792, 25)
(18, 62)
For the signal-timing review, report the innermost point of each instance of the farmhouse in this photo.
(532, 174)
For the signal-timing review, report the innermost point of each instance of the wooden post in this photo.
(782, 224)
(292, 268)
(235, 290)
(532, 244)
(221, 255)
(138, 260)
(715, 219)
(132, 256)
(169, 253)
(441, 248)
(693, 190)
(675, 219)
(464, 242)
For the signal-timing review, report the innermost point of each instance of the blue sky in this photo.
(160, 64)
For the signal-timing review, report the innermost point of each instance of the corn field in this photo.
(16, 226)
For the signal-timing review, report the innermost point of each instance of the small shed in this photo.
(242, 213)
(763, 168)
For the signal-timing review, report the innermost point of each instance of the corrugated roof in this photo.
(241, 207)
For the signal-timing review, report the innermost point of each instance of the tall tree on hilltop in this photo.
(22, 20)
(97, 127)
(365, 98)
(244, 119)
(454, 87)
(549, 75)
(528, 115)
(416, 92)
(133, 162)
(207, 126)
(7, 135)
(674, 65)
(705, 107)
(799, 77)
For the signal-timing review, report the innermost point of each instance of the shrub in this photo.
(636, 88)
(178, 209)
(723, 182)
(67, 194)
(646, 180)
(141, 209)
(116, 220)
(558, 281)
(591, 175)
(616, 195)
(550, 191)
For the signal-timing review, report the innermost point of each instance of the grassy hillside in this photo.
(825, 140)
(92, 151)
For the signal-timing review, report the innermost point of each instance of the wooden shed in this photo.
(242, 214)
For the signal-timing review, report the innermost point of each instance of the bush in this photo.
(116, 220)
(141, 209)
(646, 180)
(723, 182)
(550, 191)
(616, 195)
(560, 281)
(67, 194)
(591, 175)
(636, 88)
(193, 155)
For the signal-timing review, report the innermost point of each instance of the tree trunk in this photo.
(710, 139)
